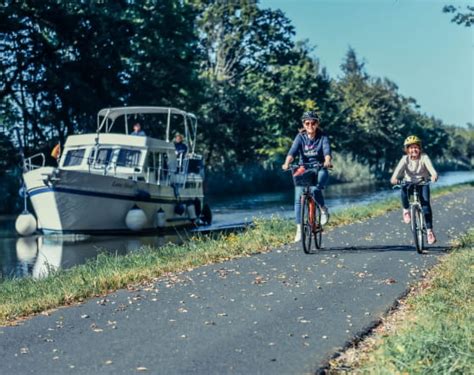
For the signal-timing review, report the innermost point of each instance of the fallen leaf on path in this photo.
(258, 280)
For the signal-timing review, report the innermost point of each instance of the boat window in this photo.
(128, 158)
(195, 166)
(103, 157)
(150, 161)
(74, 157)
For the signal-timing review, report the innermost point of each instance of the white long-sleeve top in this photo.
(414, 170)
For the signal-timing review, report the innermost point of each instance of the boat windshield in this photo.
(74, 157)
(120, 157)
(104, 157)
(128, 158)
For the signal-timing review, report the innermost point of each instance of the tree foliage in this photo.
(461, 16)
(234, 63)
(63, 61)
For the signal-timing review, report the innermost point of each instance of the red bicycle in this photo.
(306, 175)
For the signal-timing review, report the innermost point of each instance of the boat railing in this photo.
(30, 163)
(159, 176)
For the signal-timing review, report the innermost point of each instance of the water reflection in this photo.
(38, 256)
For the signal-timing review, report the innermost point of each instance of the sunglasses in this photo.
(310, 123)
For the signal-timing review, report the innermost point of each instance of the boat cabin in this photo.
(140, 158)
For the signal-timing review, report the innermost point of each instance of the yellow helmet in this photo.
(412, 140)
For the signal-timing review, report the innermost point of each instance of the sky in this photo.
(411, 42)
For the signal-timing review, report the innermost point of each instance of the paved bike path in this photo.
(281, 312)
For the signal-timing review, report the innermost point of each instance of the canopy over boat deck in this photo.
(107, 116)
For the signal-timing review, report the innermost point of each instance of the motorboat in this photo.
(115, 181)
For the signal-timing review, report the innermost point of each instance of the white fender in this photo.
(160, 218)
(191, 209)
(25, 224)
(135, 219)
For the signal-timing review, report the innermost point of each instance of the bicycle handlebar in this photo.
(407, 183)
(306, 165)
(314, 165)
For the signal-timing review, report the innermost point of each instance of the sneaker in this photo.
(324, 215)
(298, 233)
(406, 216)
(431, 237)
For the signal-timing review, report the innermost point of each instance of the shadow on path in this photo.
(381, 248)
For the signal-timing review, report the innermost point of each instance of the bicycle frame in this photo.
(310, 213)
(417, 225)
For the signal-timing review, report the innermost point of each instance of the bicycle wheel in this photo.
(416, 228)
(317, 227)
(306, 224)
(421, 230)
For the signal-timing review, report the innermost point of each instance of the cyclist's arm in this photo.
(431, 170)
(292, 153)
(289, 159)
(398, 172)
(327, 153)
(327, 161)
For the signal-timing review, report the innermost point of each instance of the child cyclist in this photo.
(414, 167)
(311, 145)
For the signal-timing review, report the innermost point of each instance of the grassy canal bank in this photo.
(106, 273)
(431, 332)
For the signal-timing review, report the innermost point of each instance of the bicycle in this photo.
(306, 175)
(417, 223)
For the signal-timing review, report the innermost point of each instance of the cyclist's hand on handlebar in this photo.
(394, 181)
(285, 167)
(434, 178)
(327, 164)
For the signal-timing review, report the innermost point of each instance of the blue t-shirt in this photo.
(181, 148)
(310, 150)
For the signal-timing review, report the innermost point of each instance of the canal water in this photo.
(37, 256)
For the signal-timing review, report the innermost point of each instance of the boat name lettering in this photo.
(122, 184)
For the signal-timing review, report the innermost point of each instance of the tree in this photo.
(241, 44)
(63, 61)
(461, 17)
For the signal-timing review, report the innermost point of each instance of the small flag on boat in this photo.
(56, 151)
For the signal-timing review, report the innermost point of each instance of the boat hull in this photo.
(78, 202)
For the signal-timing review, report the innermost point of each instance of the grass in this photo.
(347, 169)
(23, 297)
(435, 332)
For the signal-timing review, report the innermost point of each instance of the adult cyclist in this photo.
(312, 146)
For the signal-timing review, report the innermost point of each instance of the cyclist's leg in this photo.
(427, 212)
(298, 192)
(323, 177)
(405, 203)
(404, 197)
(426, 205)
